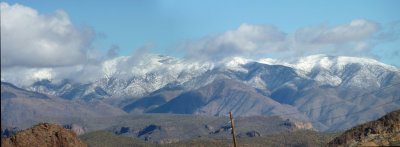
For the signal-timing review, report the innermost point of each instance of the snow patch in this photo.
(236, 64)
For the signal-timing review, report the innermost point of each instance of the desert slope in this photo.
(384, 131)
(18, 106)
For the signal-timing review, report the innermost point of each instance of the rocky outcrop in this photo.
(79, 130)
(44, 134)
(297, 125)
(382, 132)
(303, 125)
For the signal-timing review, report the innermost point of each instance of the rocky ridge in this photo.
(45, 134)
(382, 132)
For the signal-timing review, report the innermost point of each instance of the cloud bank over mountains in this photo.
(351, 39)
(50, 46)
(31, 39)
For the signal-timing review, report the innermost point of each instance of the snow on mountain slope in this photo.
(340, 70)
(147, 75)
(128, 77)
(236, 64)
(301, 83)
(125, 77)
(337, 63)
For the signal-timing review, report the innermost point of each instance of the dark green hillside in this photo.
(106, 139)
(167, 128)
(297, 138)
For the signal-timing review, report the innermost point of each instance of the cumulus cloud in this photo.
(245, 40)
(31, 39)
(353, 38)
(49, 46)
(46, 46)
(356, 30)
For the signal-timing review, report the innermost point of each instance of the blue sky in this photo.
(175, 23)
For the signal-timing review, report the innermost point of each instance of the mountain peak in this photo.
(335, 62)
(306, 64)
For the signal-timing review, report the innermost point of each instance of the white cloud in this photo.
(49, 46)
(129, 66)
(31, 39)
(356, 30)
(247, 40)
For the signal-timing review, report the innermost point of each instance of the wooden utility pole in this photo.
(233, 130)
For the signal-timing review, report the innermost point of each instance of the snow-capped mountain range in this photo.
(325, 90)
(123, 79)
